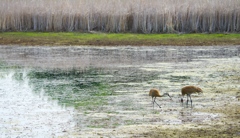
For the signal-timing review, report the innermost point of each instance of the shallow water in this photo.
(99, 91)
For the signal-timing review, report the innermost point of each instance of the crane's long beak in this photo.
(170, 96)
(200, 93)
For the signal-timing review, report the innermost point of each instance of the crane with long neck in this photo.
(154, 93)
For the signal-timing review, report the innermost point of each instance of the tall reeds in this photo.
(142, 16)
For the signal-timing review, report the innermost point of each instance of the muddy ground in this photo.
(216, 113)
(131, 72)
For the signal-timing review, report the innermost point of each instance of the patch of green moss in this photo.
(179, 78)
(72, 87)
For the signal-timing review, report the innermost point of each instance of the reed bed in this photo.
(137, 16)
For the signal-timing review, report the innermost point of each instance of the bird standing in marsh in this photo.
(188, 90)
(156, 93)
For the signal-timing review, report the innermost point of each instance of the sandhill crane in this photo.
(156, 93)
(188, 90)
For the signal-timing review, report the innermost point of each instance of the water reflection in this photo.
(24, 114)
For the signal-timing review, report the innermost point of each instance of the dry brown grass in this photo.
(155, 16)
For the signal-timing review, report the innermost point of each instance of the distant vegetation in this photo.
(136, 16)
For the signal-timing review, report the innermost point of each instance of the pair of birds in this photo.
(187, 90)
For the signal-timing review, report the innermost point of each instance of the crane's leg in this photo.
(153, 102)
(182, 100)
(156, 102)
(187, 99)
(190, 100)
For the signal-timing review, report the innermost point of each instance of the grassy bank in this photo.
(114, 39)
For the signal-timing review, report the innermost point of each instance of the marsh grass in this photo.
(138, 16)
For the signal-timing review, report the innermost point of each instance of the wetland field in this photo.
(92, 91)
